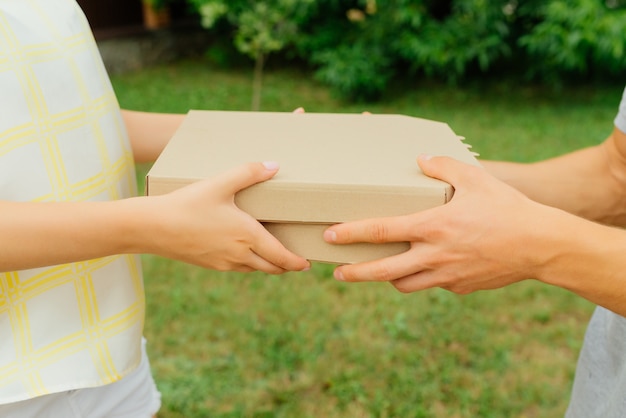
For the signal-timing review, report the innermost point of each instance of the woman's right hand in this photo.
(200, 224)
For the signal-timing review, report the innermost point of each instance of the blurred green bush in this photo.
(358, 46)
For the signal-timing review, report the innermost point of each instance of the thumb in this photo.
(245, 176)
(445, 168)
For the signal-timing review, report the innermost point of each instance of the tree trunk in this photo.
(257, 82)
(154, 18)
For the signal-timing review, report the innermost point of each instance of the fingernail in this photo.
(299, 110)
(271, 165)
(339, 275)
(330, 236)
(425, 157)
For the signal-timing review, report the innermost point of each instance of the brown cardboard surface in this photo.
(334, 168)
(306, 239)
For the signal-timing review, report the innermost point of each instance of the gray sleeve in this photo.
(620, 119)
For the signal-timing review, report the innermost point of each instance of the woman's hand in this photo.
(200, 224)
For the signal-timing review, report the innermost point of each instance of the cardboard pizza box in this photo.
(333, 168)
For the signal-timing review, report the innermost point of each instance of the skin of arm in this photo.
(491, 234)
(198, 224)
(150, 132)
(590, 182)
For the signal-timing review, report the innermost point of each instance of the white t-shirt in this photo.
(62, 138)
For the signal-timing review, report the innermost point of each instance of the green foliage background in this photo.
(228, 345)
(303, 345)
(358, 46)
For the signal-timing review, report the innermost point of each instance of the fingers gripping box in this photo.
(334, 168)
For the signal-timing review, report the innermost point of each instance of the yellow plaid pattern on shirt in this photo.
(62, 139)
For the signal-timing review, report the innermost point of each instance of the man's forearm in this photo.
(584, 257)
(581, 183)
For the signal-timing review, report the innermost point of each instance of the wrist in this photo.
(583, 257)
(136, 226)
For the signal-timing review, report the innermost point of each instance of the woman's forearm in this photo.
(197, 224)
(42, 234)
(150, 132)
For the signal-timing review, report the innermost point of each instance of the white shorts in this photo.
(135, 396)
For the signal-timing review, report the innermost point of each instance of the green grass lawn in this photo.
(302, 345)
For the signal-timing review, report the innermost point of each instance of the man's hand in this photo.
(482, 239)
